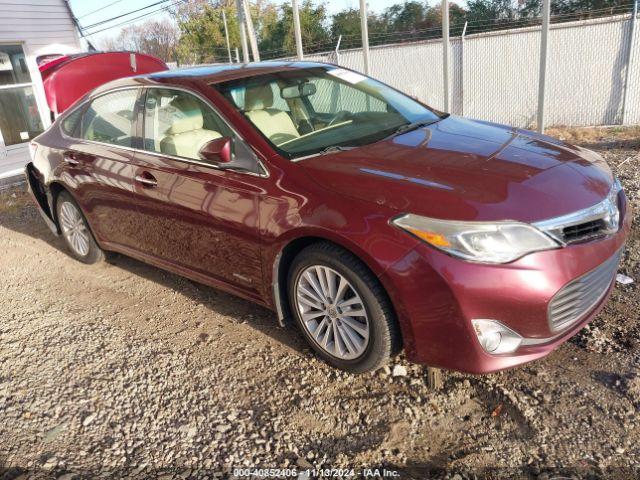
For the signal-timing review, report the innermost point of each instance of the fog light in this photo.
(494, 337)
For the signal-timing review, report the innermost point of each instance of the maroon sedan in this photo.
(373, 221)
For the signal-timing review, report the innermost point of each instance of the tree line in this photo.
(196, 33)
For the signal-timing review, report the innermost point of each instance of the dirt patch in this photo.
(127, 370)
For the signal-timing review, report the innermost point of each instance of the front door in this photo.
(194, 216)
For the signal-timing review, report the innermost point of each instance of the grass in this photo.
(625, 137)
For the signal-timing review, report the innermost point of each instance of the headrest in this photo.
(185, 116)
(258, 97)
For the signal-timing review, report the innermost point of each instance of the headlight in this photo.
(489, 242)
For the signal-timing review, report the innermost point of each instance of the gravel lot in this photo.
(123, 370)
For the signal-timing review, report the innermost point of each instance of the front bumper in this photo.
(436, 296)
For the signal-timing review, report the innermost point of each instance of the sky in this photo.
(89, 12)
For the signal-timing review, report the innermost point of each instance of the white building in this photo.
(28, 30)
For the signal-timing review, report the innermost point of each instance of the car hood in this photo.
(463, 169)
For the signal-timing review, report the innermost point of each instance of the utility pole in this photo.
(226, 35)
(243, 31)
(296, 28)
(627, 73)
(445, 53)
(252, 33)
(365, 35)
(544, 51)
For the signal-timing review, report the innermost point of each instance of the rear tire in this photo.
(341, 309)
(76, 232)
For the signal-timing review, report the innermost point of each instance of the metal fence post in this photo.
(464, 32)
(296, 28)
(544, 50)
(365, 35)
(627, 73)
(243, 31)
(446, 48)
(226, 35)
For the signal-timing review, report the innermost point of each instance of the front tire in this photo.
(75, 231)
(341, 309)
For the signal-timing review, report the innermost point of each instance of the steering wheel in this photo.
(338, 117)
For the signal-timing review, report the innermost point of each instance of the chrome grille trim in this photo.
(596, 221)
(581, 295)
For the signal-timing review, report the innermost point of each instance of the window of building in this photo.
(19, 117)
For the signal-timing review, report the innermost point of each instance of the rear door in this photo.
(100, 145)
(194, 215)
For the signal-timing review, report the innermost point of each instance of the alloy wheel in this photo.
(332, 312)
(74, 228)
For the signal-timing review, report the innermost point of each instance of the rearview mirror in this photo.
(217, 151)
(296, 91)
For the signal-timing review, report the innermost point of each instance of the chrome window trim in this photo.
(265, 172)
(600, 211)
(205, 164)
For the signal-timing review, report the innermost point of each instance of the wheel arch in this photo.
(45, 195)
(284, 259)
(55, 189)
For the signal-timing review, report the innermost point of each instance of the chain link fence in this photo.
(494, 75)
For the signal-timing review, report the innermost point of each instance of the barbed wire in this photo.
(385, 37)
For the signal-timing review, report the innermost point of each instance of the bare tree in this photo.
(158, 38)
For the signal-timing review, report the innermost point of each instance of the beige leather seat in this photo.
(275, 124)
(184, 136)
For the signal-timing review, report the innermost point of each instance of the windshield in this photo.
(308, 111)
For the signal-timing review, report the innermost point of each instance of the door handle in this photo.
(147, 180)
(70, 158)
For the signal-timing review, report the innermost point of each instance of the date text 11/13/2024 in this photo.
(311, 473)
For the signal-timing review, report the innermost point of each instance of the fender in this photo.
(288, 245)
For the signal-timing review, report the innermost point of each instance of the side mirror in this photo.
(217, 151)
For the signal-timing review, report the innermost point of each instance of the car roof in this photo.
(215, 73)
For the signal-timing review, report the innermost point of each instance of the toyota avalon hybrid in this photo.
(368, 219)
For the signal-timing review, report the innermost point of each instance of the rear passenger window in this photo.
(179, 124)
(110, 118)
(70, 124)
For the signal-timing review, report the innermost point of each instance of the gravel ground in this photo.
(123, 370)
